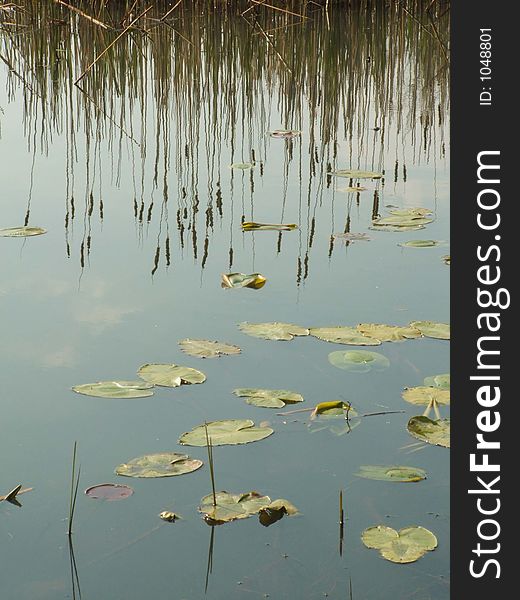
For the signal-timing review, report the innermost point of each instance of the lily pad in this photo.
(359, 361)
(432, 432)
(392, 473)
(230, 507)
(395, 228)
(22, 231)
(431, 329)
(273, 331)
(161, 464)
(355, 174)
(275, 511)
(207, 349)
(268, 398)
(252, 226)
(115, 389)
(397, 221)
(351, 189)
(335, 416)
(343, 335)
(231, 431)
(334, 408)
(242, 166)
(169, 375)
(388, 333)
(254, 281)
(351, 237)
(439, 381)
(423, 395)
(412, 211)
(284, 133)
(420, 244)
(109, 491)
(404, 546)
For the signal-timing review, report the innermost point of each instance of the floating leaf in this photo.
(439, 381)
(169, 516)
(396, 221)
(115, 389)
(207, 349)
(351, 237)
(230, 507)
(275, 511)
(343, 335)
(405, 546)
(359, 361)
(284, 133)
(231, 431)
(336, 416)
(412, 212)
(395, 228)
(420, 244)
(252, 226)
(431, 329)
(351, 189)
(388, 333)
(392, 473)
(447, 259)
(433, 432)
(161, 464)
(254, 281)
(22, 231)
(268, 398)
(243, 166)
(334, 408)
(354, 174)
(109, 491)
(424, 395)
(273, 331)
(170, 375)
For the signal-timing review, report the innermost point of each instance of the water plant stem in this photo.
(209, 446)
(74, 484)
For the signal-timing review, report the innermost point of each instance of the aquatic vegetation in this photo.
(446, 259)
(425, 395)
(273, 331)
(352, 237)
(268, 398)
(358, 361)
(254, 281)
(12, 496)
(404, 546)
(252, 226)
(431, 329)
(22, 231)
(226, 507)
(169, 516)
(440, 381)
(343, 335)
(355, 174)
(351, 189)
(160, 464)
(436, 432)
(115, 389)
(275, 511)
(388, 333)
(207, 348)
(109, 491)
(170, 375)
(230, 431)
(420, 244)
(395, 473)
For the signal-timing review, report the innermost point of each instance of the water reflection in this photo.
(175, 101)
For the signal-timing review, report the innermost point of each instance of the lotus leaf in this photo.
(207, 349)
(359, 361)
(431, 329)
(109, 491)
(275, 511)
(423, 395)
(343, 335)
(284, 133)
(252, 226)
(405, 546)
(391, 473)
(115, 389)
(162, 464)
(388, 333)
(355, 174)
(351, 237)
(230, 507)
(433, 432)
(169, 375)
(243, 166)
(268, 398)
(254, 281)
(22, 231)
(439, 381)
(231, 431)
(273, 331)
(420, 244)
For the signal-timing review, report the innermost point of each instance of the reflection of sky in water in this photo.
(63, 325)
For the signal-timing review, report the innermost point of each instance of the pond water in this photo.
(131, 178)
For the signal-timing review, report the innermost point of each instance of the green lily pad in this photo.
(351, 189)
(161, 464)
(343, 335)
(230, 507)
(355, 174)
(22, 231)
(115, 389)
(432, 432)
(231, 431)
(254, 281)
(268, 398)
(392, 473)
(395, 228)
(439, 381)
(431, 329)
(242, 166)
(207, 349)
(388, 333)
(358, 361)
(397, 221)
(412, 212)
(423, 395)
(169, 375)
(404, 546)
(252, 226)
(273, 331)
(275, 511)
(420, 244)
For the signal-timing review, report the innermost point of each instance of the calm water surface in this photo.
(143, 215)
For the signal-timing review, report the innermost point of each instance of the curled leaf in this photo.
(254, 281)
(169, 516)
